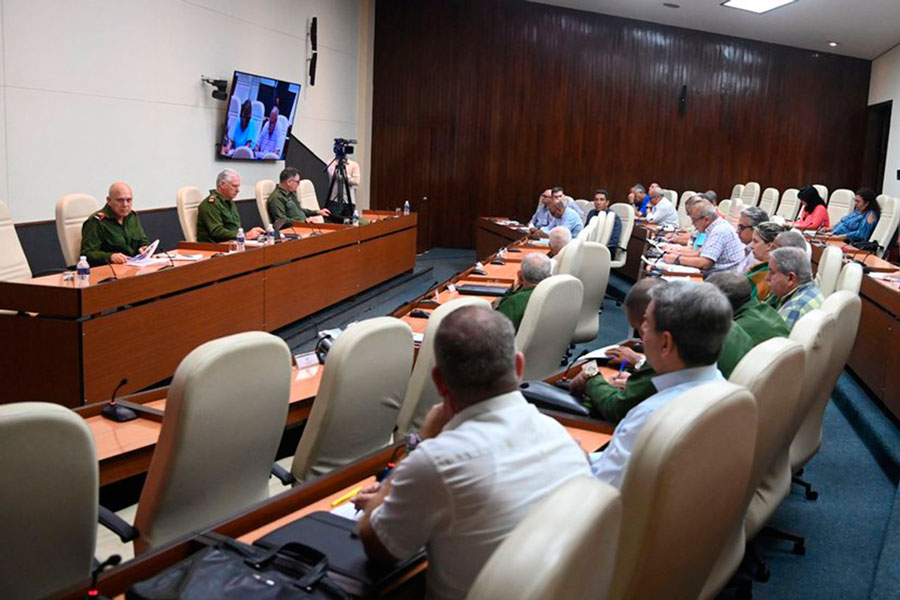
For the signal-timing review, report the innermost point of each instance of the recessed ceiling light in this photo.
(671, 5)
(833, 44)
(757, 6)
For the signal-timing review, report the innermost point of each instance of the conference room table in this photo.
(73, 344)
(493, 233)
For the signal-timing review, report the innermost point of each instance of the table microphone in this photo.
(563, 381)
(107, 279)
(114, 412)
(171, 264)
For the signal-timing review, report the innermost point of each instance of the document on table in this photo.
(348, 511)
(669, 268)
(186, 257)
(145, 258)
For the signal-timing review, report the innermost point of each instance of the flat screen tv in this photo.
(260, 115)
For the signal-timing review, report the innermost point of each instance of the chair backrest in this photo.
(48, 499)
(72, 210)
(845, 308)
(421, 394)
(840, 204)
(307, 195)
(850, 279)
(672, 195)
(626, 215)
(830, 263)
(684, 219)
(281, 131)
(725, 207)
(604, 234)
(823, 192)
(263, 188)
(590, 229)
(585, 206)
(789, 207)
(13, 264)
(886, 228)
(736, 191)
(683, 490)
(570, 260)
(734, 211)
(594, 278)
(256, 118)
(363, 384)
(242, 152)
(750, 195)
(769, 201)
(224, 418)
(187, 201)
(234, 112)
(564, 548)
(548, 324)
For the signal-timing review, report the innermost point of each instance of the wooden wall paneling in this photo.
(481, 105)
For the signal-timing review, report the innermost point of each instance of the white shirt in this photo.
(609, 465)
(664, 213)
(462, 492)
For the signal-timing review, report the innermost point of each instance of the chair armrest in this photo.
(117, 525)
(283, 474)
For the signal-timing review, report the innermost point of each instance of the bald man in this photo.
(114, 233)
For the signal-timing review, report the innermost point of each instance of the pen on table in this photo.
(346, 496)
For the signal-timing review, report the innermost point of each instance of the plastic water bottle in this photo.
(270, 234)
(356, 218)
(83, 270)
(406, 208)
(240, 239)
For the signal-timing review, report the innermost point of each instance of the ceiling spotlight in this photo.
(757, 6)
(671, 5)
(833, 44)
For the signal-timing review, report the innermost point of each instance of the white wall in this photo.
(99, 90)
(885, 85)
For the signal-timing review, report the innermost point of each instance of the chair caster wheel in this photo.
(812, 495)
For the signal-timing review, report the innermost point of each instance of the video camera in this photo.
(342, 147)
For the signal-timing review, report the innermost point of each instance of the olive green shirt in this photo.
(102, 236)
(283, 204)
(513, 306)
(610, 403)
(217, 219)
(760, 321)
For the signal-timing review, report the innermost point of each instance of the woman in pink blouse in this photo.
(814, 215)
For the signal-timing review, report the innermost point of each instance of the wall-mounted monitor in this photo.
(260, 115)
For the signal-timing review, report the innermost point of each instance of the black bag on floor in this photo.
(232, 570)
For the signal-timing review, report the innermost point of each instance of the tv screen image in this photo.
(260, 115)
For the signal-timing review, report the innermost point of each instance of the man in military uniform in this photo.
(759, 320)
(114, 233)
(283, 202)
(217, 216)
(535, 268)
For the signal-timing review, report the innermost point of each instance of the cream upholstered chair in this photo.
(684, 489)
(72, 210)
(769, 372)
(886, 228)
(363, 384)
(737, 191)
(13, 264)
(242, 152)
(224, 418)
(594, 278)
(421, 394)
(626, 215)
(548, 324)
(564, 548)
(602, 236)
(823, 192)
(839, 205)
(187, 200)
(725, 207)
(750, 195)
(263, 188)
(845, 308)
(585, 206)
(590, 229)
(769, 201)
(48, 499)
(672, 195)
(307, 195)
(850, 279)
(684, 219)
(734, 211)
(789, 207)
(570, 260)
(830, 263)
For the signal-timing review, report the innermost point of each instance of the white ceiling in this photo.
(863, 28)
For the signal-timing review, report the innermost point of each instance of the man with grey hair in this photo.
(721, 251)
(218, 219)
(638, 198)
(487, 458)
(790, 278)
(559, 238)
(792, 238)
(749, 219)
(683, 331)
(535, 268)
(663, 212)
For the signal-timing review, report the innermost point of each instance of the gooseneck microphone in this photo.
(171, 264)
(115, 412)
(114, 275)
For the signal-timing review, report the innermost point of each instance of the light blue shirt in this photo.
(569, 219)
(609, 465)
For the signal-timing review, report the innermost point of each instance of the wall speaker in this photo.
(314, 33)
(312, 68)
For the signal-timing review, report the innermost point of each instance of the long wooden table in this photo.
(72, 345)
(493, 233)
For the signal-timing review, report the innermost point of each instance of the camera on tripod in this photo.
(342, 147)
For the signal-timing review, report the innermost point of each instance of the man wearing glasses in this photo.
(722, 250)
(750, 218)
(218, 219)
(284, 204)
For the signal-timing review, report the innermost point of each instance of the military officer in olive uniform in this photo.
(283, 202)
(114, 233)
(535, 268)
(217, 216)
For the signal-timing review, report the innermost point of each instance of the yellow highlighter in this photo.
(346, 496)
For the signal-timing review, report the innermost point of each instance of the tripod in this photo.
(340, 204)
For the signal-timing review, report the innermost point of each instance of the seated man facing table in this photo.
(663, 212)
(611, 399)
(791, 280)
(762, 244)
(488, 457)
(218, 219)
(558, 239)
(721, 251)
(859, 224)
(114, 233)
(750, 218)
(283, 202)
(601, 208)
(561, 214)
(683, 331)
(759, 320)
(639, 199)
(534, 269)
